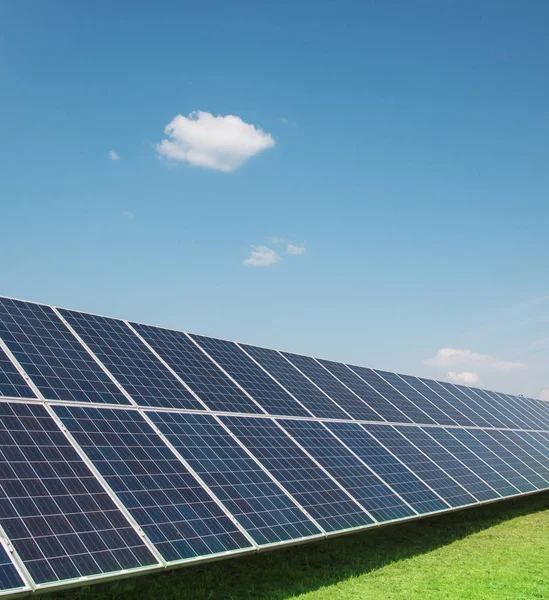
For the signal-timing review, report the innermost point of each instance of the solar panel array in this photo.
(127, 448)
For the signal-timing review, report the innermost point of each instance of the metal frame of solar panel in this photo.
(128, 448)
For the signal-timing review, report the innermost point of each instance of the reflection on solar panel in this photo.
(312, 487)
(56, 514)
(12, 383)
(267, 513)
(9, 577)
(51, 356)
(135, 367)
(145, 448)
(172, 508)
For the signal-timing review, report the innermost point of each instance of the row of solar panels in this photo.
(94, 492)
(73, 356)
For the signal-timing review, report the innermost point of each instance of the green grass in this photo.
(500, 551)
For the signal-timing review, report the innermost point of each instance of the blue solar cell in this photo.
(507, 452)
(506, 414)
(449, 463)
(361, 482)
(443, 403)
(251, 496)
(471, 460)
(301, 476)
(299, 386)
(527, 453)
(388, 467)
(474, 411)
(455, 401)
(9, 577)
(263, 389)
(524, 413)
(366, 393)
(12, 383)
(484, 405)
(204, 378)
(531, 444)
(53, 358)
(172, 508)
(498, 464)
(423, 403)
(344, 397)
(390, 393)
(56, 514)
(133, 365)
(425, 468)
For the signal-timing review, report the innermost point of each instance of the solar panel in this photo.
(453, 413)
(312, 487)
(204, 378)
(56, 514)
(12, 384)
(422, 465)
(403, 480)
(170, 505)
(148, 447)
(317, 402)
(10, 580)
(366, 393)
(379, 384)
(52, 357)
(344, 397)
(264, 509)
(264, 389)
(351, 472)
(134, 366)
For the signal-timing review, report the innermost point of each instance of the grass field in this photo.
(500, 551)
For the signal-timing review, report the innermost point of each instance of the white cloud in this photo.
(544, 394)
(128, 215)
(292, 249)
(452, 357)
(261, 256)
(114, 156)
(222, 143)
(465, 377)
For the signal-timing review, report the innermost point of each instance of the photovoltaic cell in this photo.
(395, 473)
(507, 452)
(390, 393)
(366, 393)
(484, 405)
(528, 414)
(172, 508)
(252, 378)
(471, 460)
(299, 386)
(12, 383)
(433, 412)
(134, 366)
(53, 358)
(9, 577)
(331, 386)
(505, 414)
(56, 514)
(476, 412)
(204, 378)
(308, 484)
(364, 485)
(499, 465)
(526, 453)
(426, 469)
(443, 403)
(449, 463)
(258, 504)
(532, 445)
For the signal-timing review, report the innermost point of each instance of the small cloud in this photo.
(296, 250)
(114, 156)
(451, 357)
(465, 377)
(544, 394)
(286, 121)
(128, 215)
(222, 143)
(261, 256)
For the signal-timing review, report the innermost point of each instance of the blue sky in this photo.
(400, 147)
